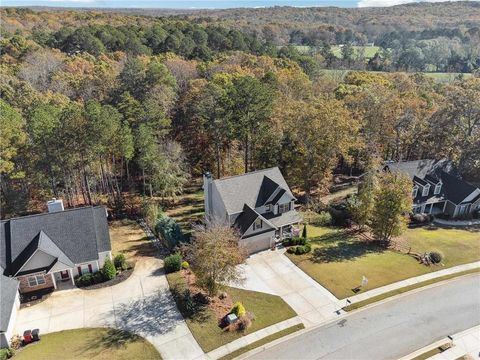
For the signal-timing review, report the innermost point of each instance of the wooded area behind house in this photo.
(95, 105)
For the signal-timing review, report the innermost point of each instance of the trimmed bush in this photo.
(238, 309)
(98, 277)
(308, 247)
(120, 262)
(169, 230)
(185, 265)
(6, 353)
(435, 257)
(84, 280)
(323, 218)
(291, 250)
(172, 263)
(299, 250)
(108, 270)
(304, 231)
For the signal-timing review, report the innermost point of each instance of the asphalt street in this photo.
(392, 329)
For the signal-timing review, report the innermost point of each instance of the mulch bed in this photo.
(124, 275)
(35, 297)
(220, 307)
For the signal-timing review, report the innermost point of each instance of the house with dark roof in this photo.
(48, 250)
(259, 204)
(437, 188)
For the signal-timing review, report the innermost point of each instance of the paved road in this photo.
(390, 330)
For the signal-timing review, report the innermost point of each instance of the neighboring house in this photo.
(46, 250)
(9, 304)
(259, 204)
(438, 188)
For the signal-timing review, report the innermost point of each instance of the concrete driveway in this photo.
(272, 272)
(141, 304)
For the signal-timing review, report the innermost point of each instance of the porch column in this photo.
(53, 280)
(71, 276)
(444, 205)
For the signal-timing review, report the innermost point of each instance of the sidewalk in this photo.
(250, 338)
(465, 343)
(415, 280)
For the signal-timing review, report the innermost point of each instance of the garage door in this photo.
(257, 243)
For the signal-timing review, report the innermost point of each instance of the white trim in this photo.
(426, 190)
(439, 187)
(25, 263)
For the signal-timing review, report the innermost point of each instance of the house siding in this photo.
(24, 286)
(102, 256)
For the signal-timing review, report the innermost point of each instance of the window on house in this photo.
(257, 224)
(268, 208)
(36, 280)
(438, 188)
(283, 207)
(414, 191)
(425, 190)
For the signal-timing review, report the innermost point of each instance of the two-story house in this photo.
(437, 188)
(259, 204)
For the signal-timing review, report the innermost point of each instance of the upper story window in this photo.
(438, 188)
(258, 224)
(283, 208)
(426, 189)
(36, 280)
(415, 191)
(268, 208)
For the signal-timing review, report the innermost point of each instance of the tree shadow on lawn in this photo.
(114, 338)
(345, 250)
(334, 236)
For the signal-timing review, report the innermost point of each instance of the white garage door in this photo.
(258, 243)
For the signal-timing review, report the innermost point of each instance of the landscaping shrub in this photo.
(421, 218)
(238, 309)
(84, 280)
(169, 230)
(15, 342)
(299, 250)
(185, 265)
(340, 215)
(308, 247)
(172, 263)
(435, 257)
(108, 270)
(120, 262)
(6, 353)
(291, 250)
(323, 218)
(98, 277)
(304, 231)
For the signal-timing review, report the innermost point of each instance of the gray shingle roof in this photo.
(79, 233)
(420, 168)
(246, 189)
(456, 190)
(8, 291)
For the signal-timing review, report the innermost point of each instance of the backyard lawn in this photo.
(338, 261)
(129, 239)
(268, 310)
(187, 209)
(91, 344)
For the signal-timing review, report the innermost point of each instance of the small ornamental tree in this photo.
(304, 232)
(214, 255)
(120, 262)
(108, 270)
(393, 202)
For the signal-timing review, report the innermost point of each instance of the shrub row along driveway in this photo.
(141, 304)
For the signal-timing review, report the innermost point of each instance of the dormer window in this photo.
(415, 191)
(258, 224)
(268, 208)
(438, 188)
(283, 207)
(426, 189)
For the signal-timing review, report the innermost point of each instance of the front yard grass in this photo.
(338, 260)
(268, 310)
(129, 239)
(91, 344)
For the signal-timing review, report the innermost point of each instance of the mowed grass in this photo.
(338, 261)
(91, 344)
(187, 209)
(268, 310)
(129, 239)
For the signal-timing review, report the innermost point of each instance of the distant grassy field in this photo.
(437, 77)
(370, 51)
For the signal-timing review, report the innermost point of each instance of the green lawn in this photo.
(268, 310)
(338, 261)
(91, 344)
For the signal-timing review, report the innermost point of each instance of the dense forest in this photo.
(95, 106)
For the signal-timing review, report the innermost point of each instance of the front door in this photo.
(65, 275)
